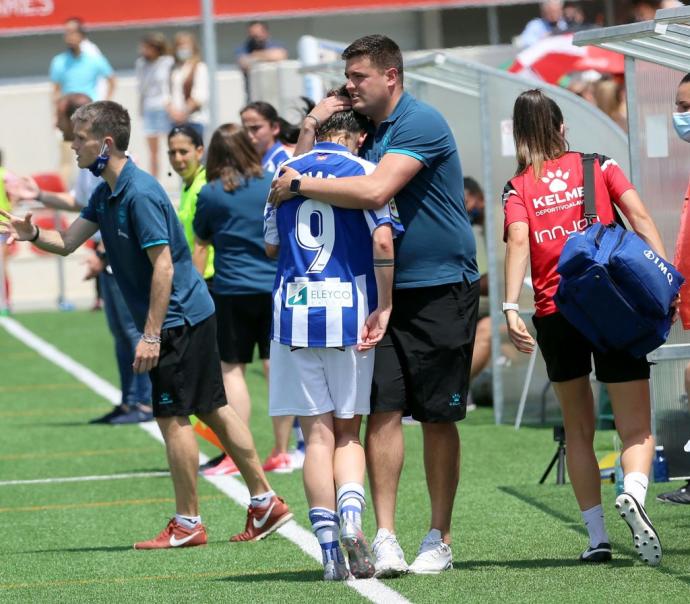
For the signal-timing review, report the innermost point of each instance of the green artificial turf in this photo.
(514, 540)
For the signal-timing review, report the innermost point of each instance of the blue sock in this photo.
(351, 503)
(324, 524)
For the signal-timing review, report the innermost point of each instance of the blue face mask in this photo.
(97, 167)
(681, 123)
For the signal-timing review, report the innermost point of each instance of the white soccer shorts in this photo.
(313, 381)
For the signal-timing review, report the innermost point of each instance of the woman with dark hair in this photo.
(153, 82)
(543, 203)
(229, 215)
(273, 137)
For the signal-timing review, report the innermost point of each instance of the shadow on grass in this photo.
(530, 564)
(290, 576)
(76, 550)
(540, 505)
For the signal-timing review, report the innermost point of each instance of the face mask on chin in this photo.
(97, 167)
(681, 124)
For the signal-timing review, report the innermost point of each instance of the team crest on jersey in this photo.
(322, 157)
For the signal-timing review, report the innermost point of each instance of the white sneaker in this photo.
(297, 458)
(433, 556)
(390, 560)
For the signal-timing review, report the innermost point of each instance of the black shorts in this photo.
(243, 323)
(188, 379)
(568, 354)
(422, 365)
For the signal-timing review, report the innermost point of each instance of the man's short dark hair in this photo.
(383, 52)
(342, 121)
(685, 80)
(106, 118)
(79, 22)
(262, 23)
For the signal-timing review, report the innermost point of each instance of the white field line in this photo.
(7, 483)
(372, 589)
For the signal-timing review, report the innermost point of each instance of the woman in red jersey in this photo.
(543, 204)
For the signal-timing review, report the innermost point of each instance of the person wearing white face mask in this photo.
(189, 84)
(681, 124)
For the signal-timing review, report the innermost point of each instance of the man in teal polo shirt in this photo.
(423, 363)
(172, 308)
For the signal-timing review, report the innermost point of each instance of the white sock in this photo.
(262, 500)
(189, 522)
(324, 524)
(594, 521)
(636, 484)
(350, 499)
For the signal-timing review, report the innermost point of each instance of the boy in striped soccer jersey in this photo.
(332, 302)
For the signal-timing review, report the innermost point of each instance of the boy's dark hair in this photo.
(383, 52)
(106, 118)
(342, 121)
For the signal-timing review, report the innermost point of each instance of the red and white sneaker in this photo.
(175, 535)
(226, 467)
(261, 522)
(280, 462)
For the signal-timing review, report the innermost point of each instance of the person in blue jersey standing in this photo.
(332, 302)
(272, 136)
(173, 310)
(423, 363)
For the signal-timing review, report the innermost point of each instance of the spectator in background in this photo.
(645, 10)
(229, 215)
(78, 70)
(474, 204)
(258, 47)
(189, 84)
(549, 23)
(574, 17)
(609, 96)
(153, 68)
(135, 405)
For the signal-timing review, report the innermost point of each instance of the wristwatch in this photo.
(511, 306)
(294, 185)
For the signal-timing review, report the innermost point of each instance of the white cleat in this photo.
(390, 560)
(645, 538)
(433, 556)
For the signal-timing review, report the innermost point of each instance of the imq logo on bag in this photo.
(659, 262)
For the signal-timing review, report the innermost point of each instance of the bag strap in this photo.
(588, 160)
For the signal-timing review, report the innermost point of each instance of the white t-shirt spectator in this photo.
(153, 82)
(199, 92)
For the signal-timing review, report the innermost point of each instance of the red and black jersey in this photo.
(553, 207)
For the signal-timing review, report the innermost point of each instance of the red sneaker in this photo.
(226, 467)
(280, 462)
(175, 535)
(261, 522)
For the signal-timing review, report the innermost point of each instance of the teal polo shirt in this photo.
(438, 246)
(135, 216)
(79, 74)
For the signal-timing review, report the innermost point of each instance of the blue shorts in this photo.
(156, 121)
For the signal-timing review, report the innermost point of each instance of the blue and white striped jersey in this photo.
(325, 286)
(275, 156)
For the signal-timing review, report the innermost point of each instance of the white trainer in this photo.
(390, 560)
(433, 556)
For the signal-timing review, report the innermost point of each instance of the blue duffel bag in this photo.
(614, 288)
